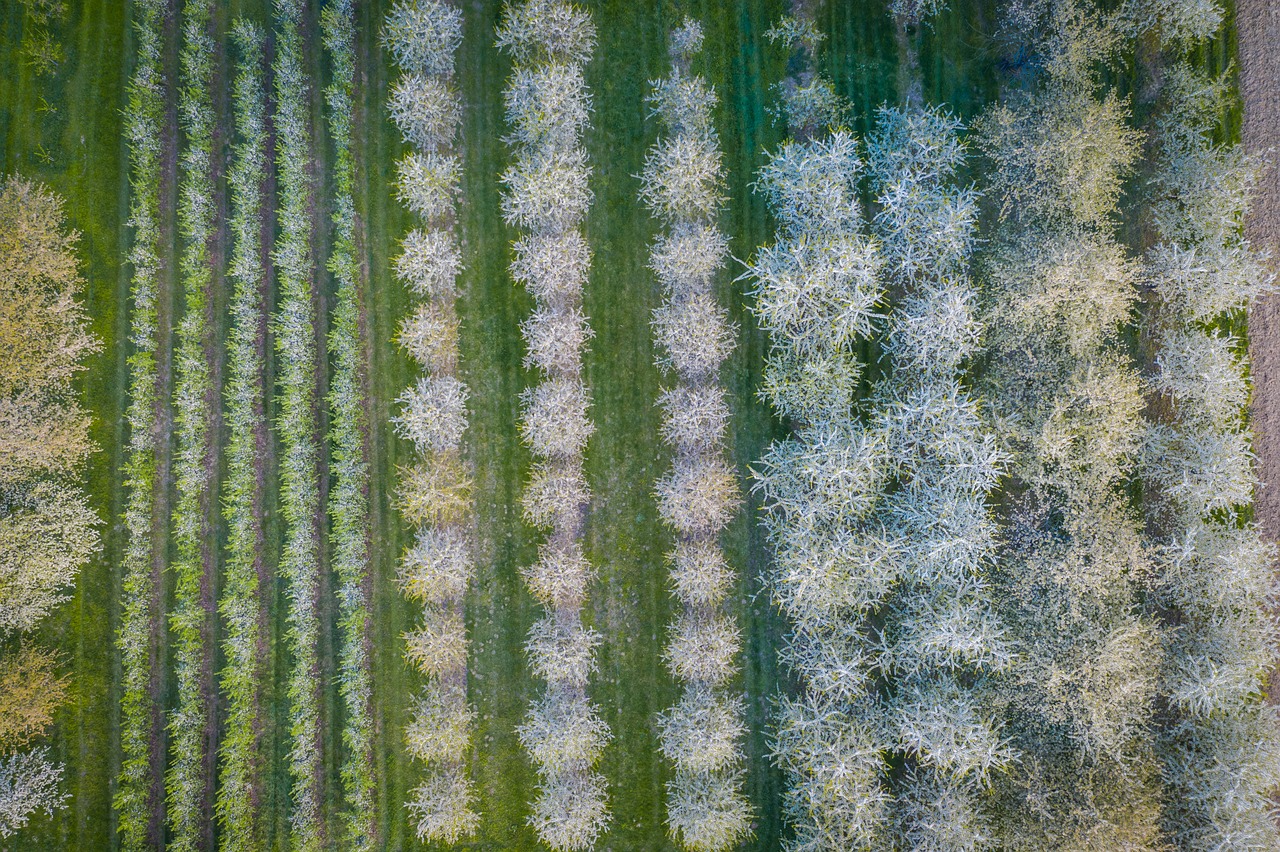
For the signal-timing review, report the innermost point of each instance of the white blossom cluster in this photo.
(28, 783)
(683, 186)
(435, 493)
(546, 195)
(1217, 587)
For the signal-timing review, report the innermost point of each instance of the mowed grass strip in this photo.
(63, 126)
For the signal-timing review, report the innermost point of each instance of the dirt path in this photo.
(163, 435)
(215, 347)
(264, 729)
(1258, 32)
(1258, 28)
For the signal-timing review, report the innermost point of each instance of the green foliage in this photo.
(245, 644)
(144, 120)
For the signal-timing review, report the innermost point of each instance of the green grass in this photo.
(65, 130)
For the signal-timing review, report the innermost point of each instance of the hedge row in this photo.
(295, 337)
(247, 582)
(437, 568)
(192, 725)
(348, 427)
(546, 195)
(144, 129)
(682, 184)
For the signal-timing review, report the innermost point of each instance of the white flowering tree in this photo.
(1221, 747)
(546, 196)
(683, 186)
(435, 495)
(28, 783)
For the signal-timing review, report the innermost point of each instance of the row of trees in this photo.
(817, 291)
(296, 266)
(437, 568)
(248, 576)
(682, 184)
(348, 434)
(1058, 293)
(940, 640)
(546, 196)
(139, 798)
(193, 724)
(1220, 747)
(47, 530)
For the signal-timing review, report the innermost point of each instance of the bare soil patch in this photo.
(1258, 28)
(1258, 31)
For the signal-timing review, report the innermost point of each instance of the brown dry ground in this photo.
(1258, 34)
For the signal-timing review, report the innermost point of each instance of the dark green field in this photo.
(65, 128)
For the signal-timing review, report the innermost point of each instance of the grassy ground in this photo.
(64, 128)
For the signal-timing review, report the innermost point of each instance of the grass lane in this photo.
(66, 130)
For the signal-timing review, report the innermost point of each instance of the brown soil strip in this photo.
(167, 286)
(1258, 32)
(367, 430)
(264, 450)
(214, 346)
